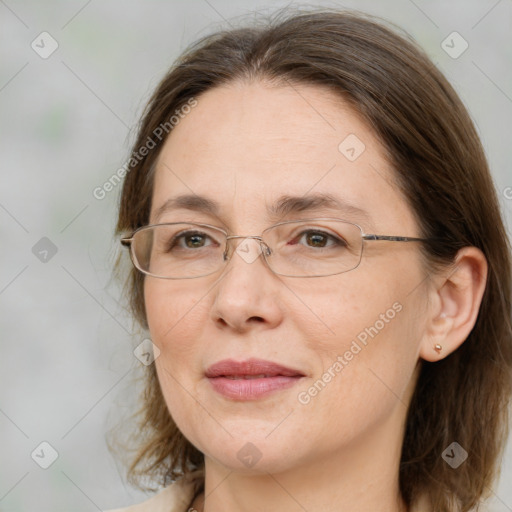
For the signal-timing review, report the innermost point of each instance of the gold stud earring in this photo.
(438, 348)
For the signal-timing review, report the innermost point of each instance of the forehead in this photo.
(290, 123)
(245, 146)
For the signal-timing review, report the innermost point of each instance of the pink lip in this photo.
(230, 378)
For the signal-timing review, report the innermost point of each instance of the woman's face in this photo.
(353, 337)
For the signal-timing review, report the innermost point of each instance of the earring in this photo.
(438, 348)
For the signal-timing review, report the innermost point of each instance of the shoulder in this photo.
(176, 497)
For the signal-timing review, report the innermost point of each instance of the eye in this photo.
(191, 239)
(319, 239)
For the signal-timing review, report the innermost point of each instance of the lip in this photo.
(251, 379)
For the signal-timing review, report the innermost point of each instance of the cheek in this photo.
(362, 378)
(175, 320)
(170, 308)
(344, 308)
(365, 337)
(160, 307)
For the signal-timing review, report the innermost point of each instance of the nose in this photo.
(245, 247)
(247, 291)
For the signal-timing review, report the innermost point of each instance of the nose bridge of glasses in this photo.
(262, 243)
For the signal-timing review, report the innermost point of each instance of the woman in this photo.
(321, 263)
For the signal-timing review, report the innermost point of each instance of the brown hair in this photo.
(442, 171)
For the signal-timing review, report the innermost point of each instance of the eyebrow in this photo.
(284, 206)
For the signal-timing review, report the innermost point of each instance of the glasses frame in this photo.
(266, 251)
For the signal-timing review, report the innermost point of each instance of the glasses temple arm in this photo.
(391, 238)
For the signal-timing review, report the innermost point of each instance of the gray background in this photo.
(67, 369)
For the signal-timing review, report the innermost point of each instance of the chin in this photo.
(251, 460)
(252, 453)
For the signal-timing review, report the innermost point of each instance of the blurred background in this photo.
(74, 77)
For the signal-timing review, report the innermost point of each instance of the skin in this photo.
(244, 145)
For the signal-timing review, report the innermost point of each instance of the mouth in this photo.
(247, 377)
(252, 379)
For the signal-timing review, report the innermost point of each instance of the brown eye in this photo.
(190, 239)
(319, 239)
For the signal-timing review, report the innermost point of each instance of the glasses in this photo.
(296, 248)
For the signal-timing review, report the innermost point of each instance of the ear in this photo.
(454, 302)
